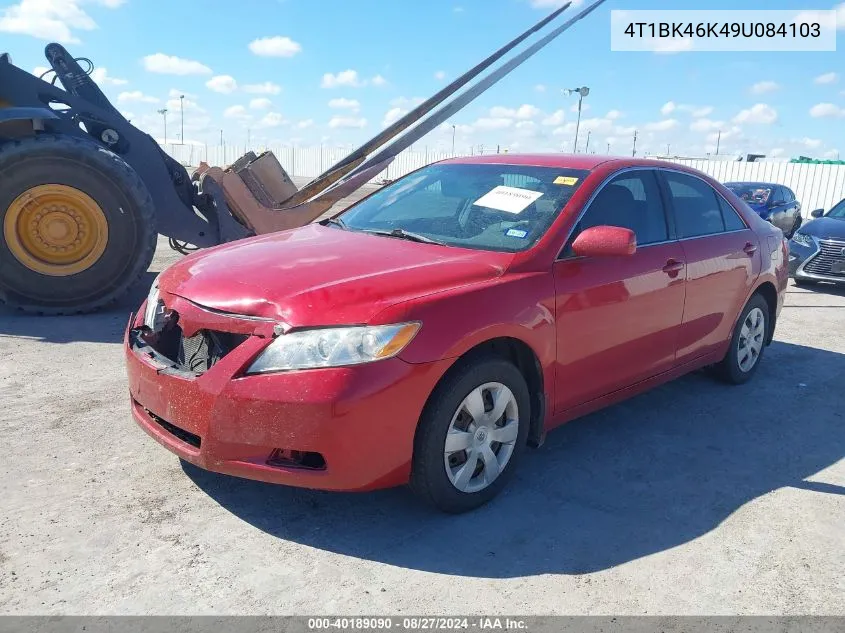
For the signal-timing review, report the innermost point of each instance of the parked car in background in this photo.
(817, 250)
(772, 202)
(431, 331)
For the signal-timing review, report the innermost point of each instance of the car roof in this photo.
(563, 161)
(754, 183)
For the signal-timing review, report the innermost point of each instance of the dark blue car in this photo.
(772, 202)
(817, 251)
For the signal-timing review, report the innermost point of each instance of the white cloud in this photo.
(584, 107)
(261, 103)
(698, 112)
(271, 119)
(613, 115)
(811, 143)
(345, 104)
(136, 96)
(378, 81)
(236, 112)
(393, 115)
(661, 126)
(777, 151)
(555, 119)
(266, 88)
(440, 75)
(305, 123)
(174, 103)
(347, 122)
(172, 65)
(668, 108)
(344, 78)
(705, 125)
(523, 112)
(405, 102)
(224, 84)
(759, 113)
(540, 88)
(762, 87)
(278, 46)
(101, 76)
(827, 111)
(832, 153)
(827, 78)
(838, 17)
(52, 20)
(493, 123)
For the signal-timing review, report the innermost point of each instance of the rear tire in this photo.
(477, 387)
(110, 199)
(747, 343)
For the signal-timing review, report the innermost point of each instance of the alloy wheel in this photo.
(751, 339)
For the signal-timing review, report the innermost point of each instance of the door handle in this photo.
(673, 266)
(750, 248)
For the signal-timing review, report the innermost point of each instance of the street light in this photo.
(182, 110)
(163, 113)
(453, 140)
(583, 91)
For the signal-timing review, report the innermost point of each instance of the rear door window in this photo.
(696, 206)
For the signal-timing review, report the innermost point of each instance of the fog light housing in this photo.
(288, 458)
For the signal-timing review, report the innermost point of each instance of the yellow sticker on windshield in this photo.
(565, 180)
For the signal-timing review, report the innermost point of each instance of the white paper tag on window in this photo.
(508, 199)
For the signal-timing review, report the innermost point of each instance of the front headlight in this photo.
(152, 305)
(334, 347)
(803, 239)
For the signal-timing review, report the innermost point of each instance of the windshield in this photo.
(838, 211)
(750, 192)
(489, 207)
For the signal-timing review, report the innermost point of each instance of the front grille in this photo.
(195, 354)
(830, 254)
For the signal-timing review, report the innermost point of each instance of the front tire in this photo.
(748, 343)
(471, 435)
(78, 225)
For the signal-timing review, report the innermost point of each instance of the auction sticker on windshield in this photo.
(508, 199)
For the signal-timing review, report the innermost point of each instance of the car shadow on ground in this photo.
(104, 326)
(636, 479)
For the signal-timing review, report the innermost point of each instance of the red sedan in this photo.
(440, 325)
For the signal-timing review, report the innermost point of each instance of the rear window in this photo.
(489, 207)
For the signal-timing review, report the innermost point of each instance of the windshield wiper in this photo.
(404, 235)
(335, 222)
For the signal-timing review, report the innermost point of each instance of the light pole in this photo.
(587, 149)
(182, 111)
(634, 154)
(583, 91)
(453, 140)
(718, 142)
(163, 113)
(608, 149)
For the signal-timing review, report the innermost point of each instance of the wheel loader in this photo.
(84, 193)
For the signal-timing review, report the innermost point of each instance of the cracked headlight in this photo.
(803, 239)
(152, 305)
(334, 347)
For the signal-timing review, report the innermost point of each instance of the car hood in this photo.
(824, 228)
(318, 275)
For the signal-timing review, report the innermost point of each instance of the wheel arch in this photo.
(526, 360)
(768, 291)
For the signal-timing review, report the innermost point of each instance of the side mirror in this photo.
(604, 241)
(817, 213)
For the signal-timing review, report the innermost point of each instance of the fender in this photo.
(26, 114)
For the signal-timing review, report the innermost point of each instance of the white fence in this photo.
(815, 186)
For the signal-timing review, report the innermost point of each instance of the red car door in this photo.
(723, 260)
(617, 317)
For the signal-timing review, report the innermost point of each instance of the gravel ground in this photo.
(696, 498)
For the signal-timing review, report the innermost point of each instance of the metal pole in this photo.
(182, 110)
(578, 124)
(587, 149)
(635, 144)
(718, 142)
(453, 140)
(608, 149)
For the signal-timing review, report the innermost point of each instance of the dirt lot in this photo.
(696, 498)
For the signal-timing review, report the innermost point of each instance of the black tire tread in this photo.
(104, 159)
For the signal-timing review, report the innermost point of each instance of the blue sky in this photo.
(305, 72)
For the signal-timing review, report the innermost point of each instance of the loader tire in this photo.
(78, 225)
